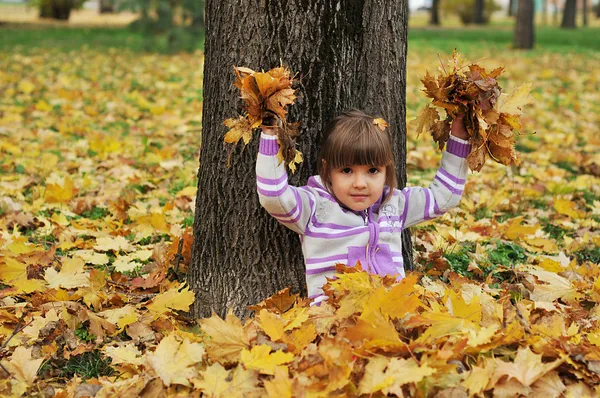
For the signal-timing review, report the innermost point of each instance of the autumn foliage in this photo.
(97, 167)
(265, 97)
(491, 117)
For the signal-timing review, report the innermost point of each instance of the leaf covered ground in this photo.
(97, 169)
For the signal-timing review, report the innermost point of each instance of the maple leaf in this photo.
(71, 274)
(512, 103)
(380, 123)
(239, 129)
(426, 119)
(227, 338)
(214, 382)
(279, 386)
(59, 190)
(527, 367)
(272, 324)
(259, 358)
(23, 368)
(177, 298)
(174, 361)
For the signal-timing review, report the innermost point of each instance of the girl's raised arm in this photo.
(422, 204)
(291, 206)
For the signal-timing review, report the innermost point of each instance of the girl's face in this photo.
(358, 187)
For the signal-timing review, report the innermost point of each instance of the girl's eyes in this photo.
(372, 170)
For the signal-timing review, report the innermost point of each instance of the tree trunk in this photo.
(544, 12)
(524, 25)
(478, 16)
(106, 7)
(569, 14)
(54, 9)
(346, 54)
(435, 13)
(511, 4)
(585, 12)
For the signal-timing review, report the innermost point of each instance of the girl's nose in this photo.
(359, 181)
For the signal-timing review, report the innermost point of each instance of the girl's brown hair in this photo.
(353, 138)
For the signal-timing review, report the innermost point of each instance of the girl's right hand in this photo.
(269, 130)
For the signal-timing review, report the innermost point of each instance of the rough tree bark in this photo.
(346, 54)
(569, 14)
(524, 26)
(435, 13)
(478, 16)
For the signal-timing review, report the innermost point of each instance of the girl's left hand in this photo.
(458, 128)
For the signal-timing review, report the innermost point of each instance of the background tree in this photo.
(569, 14)
(178, 23)
(106, 6)
(584, 10)
(58, 9)
(346, 54)
(478, 12)
(524, 26)
(435, 13)
(511, 4)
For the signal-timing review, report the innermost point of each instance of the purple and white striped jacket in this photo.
(332, 234)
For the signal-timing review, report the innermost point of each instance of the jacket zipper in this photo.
(367, 247)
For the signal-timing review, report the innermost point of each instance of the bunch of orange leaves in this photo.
(491, 117)
(265, 97)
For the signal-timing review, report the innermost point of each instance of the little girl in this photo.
(352, 211)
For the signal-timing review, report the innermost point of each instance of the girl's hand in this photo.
(458, 128)
(269, 130)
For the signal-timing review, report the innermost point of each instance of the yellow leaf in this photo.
(406, 371)
(259, 358)
(112, 243)
(214, 383)
(238, 129)
(127, 354)
(272, 324)
(25, 86)
(478, 378)
(527, 367)
(43, 106)
(554, 287)
(227, 338)
(22, 366)
(512, 103)
(60, 191)
(174, 361)
(567, 207)
(375, 379)
(71, 275)
(280, 386)
(459, 308)
(515, 230)
(91, 257)
(177, 298)
(426, 119)
(379, 122)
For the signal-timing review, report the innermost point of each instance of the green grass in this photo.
(467, 39)
(26, 37)
(580, 40)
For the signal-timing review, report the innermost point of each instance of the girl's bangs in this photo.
(367, 148)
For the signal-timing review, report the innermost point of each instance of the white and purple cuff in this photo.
(268, 145)
(458, 147)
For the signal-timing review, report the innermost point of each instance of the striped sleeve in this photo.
(422, 204)
(291, 206)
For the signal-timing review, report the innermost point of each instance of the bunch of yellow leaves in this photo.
(490, 117)
(266, 96)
